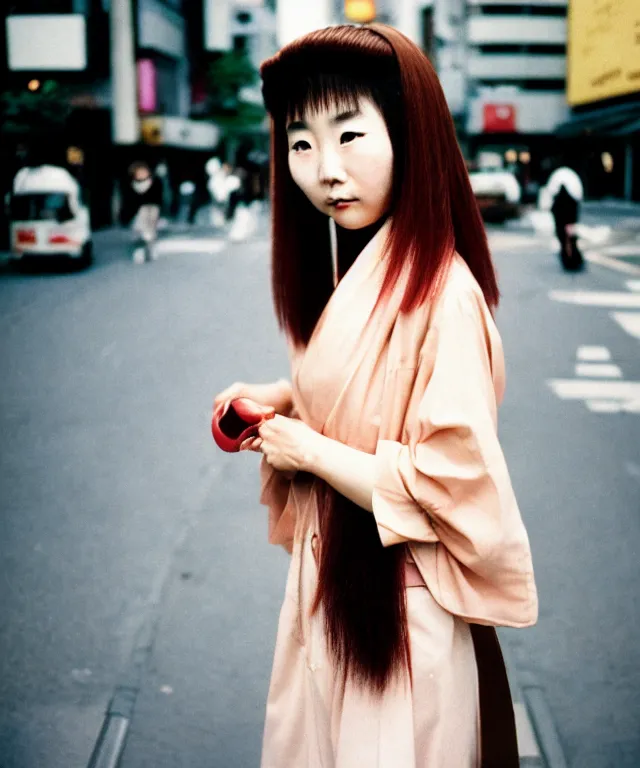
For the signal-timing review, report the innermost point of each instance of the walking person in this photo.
(565, 210)
(565, 191)
(381, 470)
(145, 197)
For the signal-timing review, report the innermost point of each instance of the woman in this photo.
(382, 471)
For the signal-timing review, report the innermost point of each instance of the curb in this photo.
(538, 738)
(111, 739)
(545, 728)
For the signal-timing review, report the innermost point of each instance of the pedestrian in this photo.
(565, 209)
(562, 196)
(222, 184)
(381, 470)
(144, 203)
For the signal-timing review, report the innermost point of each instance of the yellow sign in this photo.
(75, 156)
(603, 56)
(151, 130)
(360, 11)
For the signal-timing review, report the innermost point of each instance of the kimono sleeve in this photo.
(447, 491)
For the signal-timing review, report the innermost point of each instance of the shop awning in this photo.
(618, 120)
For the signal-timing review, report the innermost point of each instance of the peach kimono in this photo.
(420, 391)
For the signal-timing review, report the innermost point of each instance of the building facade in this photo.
(602, 135)
(124, 71)
(515, 89)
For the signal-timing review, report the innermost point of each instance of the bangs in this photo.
(324, 75)
(322, 91)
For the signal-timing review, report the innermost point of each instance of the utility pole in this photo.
(125, 123)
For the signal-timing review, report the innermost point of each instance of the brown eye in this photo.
(300, 146)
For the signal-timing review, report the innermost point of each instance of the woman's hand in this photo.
(277, 395)
(287, 444)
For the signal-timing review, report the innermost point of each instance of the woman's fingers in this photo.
(251, 444)
(235, 390)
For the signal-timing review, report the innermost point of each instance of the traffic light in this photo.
(360, 11)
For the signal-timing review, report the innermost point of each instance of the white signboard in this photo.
(47, 42)
(217, 25)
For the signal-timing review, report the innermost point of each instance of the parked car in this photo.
(47, 216)
(498, 194)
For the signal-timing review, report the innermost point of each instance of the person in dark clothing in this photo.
(565, 211)
(142, 205)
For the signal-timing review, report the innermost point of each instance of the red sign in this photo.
(499, 118)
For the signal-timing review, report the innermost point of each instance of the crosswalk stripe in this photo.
(591, 389)
(629, 321)
(175, 246)
(615, 299)
(604, 406)
(599, 370)
(593, 354)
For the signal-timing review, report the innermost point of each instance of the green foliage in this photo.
(34, 113)
(226, 77)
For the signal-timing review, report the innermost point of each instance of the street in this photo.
(133, 554)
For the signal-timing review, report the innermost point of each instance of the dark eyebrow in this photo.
(344, 116)
(297, 125)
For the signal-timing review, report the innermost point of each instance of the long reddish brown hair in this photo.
(434, 214)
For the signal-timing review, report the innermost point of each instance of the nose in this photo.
(330, 168)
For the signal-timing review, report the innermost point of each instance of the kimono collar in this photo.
(372, 251)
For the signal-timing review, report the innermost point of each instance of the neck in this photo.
(351, 243)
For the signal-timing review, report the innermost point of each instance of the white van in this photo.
(47, 216)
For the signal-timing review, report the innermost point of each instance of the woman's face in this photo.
(342, 159)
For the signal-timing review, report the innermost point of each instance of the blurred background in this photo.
(139, 596)
(93, 85)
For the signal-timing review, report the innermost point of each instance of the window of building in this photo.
(24, 7)
(511, 9)
(539, 48)
(528, 85)
(240, 43)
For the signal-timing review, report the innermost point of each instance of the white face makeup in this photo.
(343, 162)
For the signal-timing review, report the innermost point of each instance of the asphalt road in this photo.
(125, 536)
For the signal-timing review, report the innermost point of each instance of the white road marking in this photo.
(177, 246)
(599, 370)
(630, 321)
(618, 300)
(604, 406)
(593, 354)
(506, 240)
(624, 249)
(611, 263)
(591, 389)
(633, 285)
(527, 744)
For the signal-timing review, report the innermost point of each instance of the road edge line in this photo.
(544, 727)
(110, 743)
(111, 740)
